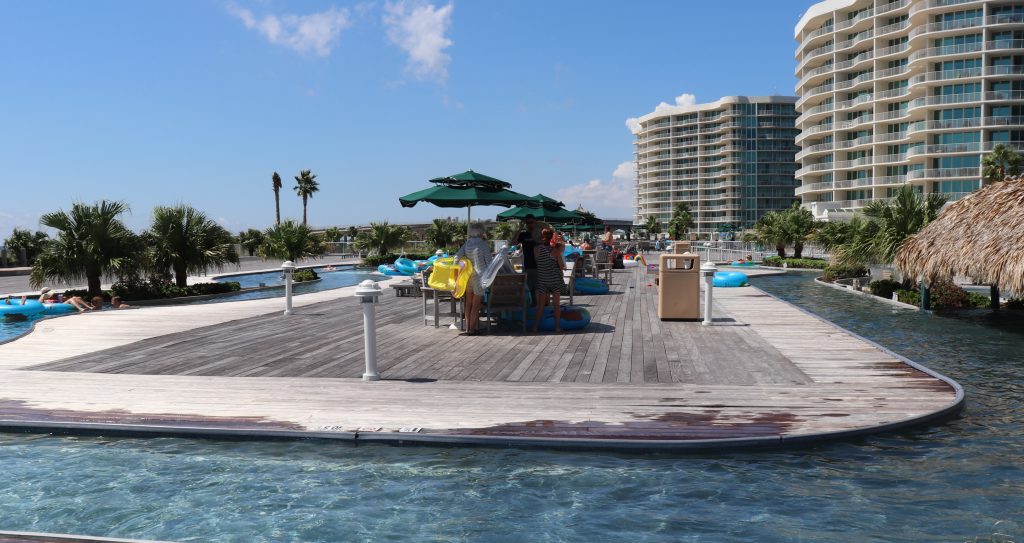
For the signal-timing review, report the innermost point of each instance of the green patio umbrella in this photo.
(548, 202)
(467, 189)
(560, 215)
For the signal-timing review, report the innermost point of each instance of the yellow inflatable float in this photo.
(451, 276)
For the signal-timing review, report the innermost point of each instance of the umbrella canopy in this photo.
(542, 213)
(454, 196)
(469, 178)
(980, 236)
(467, 189)
(548, 202)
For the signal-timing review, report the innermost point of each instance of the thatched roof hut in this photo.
(980, 236)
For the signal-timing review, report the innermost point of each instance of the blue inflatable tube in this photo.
(729, 279)
(422, 264)
(570, 250)
(405, 266)
(15, 308)
(58, 308)
(573, 318)
(747, 264)
(388, 269)
(586, 285)
(435, 257)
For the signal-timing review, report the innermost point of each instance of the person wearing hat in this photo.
(47, 295)
(479, 253)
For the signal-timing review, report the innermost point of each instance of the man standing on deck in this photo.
(527, 240)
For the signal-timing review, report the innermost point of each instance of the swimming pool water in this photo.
(948, 483)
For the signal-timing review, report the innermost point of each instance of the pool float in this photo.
(435, 257)
(745, 263)
(729, 279)
(388, 269)
(500, 264)
(58, 308)
(573, 318)
(451, 275)
(15, 308)
(405, 266)
(422, 264)
(570, 250)
(586, 285)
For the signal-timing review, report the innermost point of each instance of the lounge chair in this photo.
(506, 293)
(438, 296)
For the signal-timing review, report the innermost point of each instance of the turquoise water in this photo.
(342, 277)
(949, 483)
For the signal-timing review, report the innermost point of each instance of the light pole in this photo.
(707, 270)
(288, 268)
(368, 293)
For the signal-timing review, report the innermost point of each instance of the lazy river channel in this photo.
(948, 483)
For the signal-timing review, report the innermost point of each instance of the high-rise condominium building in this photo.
(731, 161)
(905, 91)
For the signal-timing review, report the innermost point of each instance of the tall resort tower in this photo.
(904, 92)
(731, 161)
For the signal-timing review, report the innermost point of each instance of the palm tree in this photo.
(799, 227)
(887, 224)
(443, 233)
(186, 241)
(352, 232)
(290, 241)
(251, 240)
(830, 235)
(771, 231)
(382, 238)
(1001, 163)
(507, 231)
(276, 179)
(305, 186)
(23, 239)
(652, 226)
(333, 234)
(91, 242)
(681, 221)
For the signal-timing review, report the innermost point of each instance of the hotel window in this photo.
(958, 113)
(955, 186)
(956, 17)
(858, 194)
(953, 90)
(953, 162)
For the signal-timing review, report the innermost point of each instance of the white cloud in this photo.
(608, 199)
(419, 29)
(633, 124)
(684, 99)
(317, 33)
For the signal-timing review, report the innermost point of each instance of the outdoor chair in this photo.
(438, 296)
(506, 293)
(602, 265)
(570, 277)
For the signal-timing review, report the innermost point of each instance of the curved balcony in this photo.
(928, 5)
(812, 93)
(853, 183)
(812, 36)
(859, 38)
(814, 187)
(882, 75)
(851, 84)
(931, 30)
(814, 149)
(811, 168)
(813, 112)
(891, 50)
(864, 98)
(889, 29)
(943, 173)
(812, 75)
(946, 51)
(891, 6)
(854, 143)
(852, 23)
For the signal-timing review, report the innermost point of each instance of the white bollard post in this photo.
(289, 268)
(368, 292)
(708, 270)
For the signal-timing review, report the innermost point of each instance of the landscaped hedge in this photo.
(159, 291)
(811, 263)
(911, 297)
(374, 261)
(884, 288)
(305, 275)
(837, 271)
(979, 300)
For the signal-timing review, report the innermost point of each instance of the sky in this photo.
(200, 101)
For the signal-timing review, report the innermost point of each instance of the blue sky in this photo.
(199, 101)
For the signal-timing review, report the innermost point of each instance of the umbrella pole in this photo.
(469, 219)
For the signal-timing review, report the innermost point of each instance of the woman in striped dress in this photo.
(549, 280)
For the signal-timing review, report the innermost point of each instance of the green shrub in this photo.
(810, 263)
(885, 287)
(839, 271)
(305, 275)
(911, 297)
(148, 290)
(978, 300)
(946, 295)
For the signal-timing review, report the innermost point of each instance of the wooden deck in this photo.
(766, 373)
